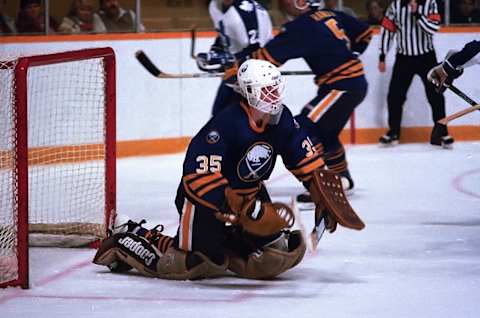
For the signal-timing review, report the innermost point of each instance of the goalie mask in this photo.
(261, 83)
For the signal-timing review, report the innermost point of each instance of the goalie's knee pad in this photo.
(180, 265)
(273, 259)
(129, 249)
(124, 251)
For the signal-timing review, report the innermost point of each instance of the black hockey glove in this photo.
(214, 61)
(443, 75)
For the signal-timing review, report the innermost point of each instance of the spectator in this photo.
(374, 12)
(116, 18)
(31, 19)
(465, 11)
(333, 5)
(7, 25)
(82, 19)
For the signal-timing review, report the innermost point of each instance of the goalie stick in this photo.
(155, 71)
(318, 229)
(474, 104)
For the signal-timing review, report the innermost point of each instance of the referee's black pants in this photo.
(403, 71)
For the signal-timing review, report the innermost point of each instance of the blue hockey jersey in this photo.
(230, 150)
(329, 41)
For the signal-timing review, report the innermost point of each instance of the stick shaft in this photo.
(193, 39)
(458, 114)
(155, 71)
(462, 95)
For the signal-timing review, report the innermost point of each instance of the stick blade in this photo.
(147, 63)
(443, 121)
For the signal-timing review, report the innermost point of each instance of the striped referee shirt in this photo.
(413, 32)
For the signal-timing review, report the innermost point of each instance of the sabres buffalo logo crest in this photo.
(256, 162)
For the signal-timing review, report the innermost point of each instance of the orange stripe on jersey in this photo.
(326, 102)
(185, 239)
(204, 180)
(251, 120)
(337, 154)
(351, 75)
(321, 15)
(191, 176)
(366, 34)
(264, 55)
(340, 167)
(212, 186)
(309, 168)
(198, 199)
(322, 79)
(351, 72)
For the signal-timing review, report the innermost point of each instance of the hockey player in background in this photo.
(454, 64)
(227, 220)
(243, 26)
(330, 42)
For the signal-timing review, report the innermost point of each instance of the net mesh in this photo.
(8, 181)
(66, 155)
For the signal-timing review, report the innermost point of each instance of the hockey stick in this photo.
(155, 71)
(152, 69)
(193, 39)
(317, 231)
(456, 115)
(462, 95)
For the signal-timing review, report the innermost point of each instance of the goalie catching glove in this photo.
(331, 203)
(256, 217)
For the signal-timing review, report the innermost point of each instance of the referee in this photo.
(412, 23)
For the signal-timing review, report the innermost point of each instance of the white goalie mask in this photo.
(309, 3)
(261, 83)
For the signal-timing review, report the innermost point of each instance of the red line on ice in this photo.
(457, 183)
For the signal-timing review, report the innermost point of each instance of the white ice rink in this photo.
(419, 255)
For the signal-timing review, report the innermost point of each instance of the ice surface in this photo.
(419, 255)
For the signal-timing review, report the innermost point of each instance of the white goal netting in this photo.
(66, 118)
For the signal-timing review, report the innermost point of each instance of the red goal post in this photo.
(57, 154)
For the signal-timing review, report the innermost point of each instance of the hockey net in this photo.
(57, 154)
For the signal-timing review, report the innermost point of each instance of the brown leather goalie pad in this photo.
(326, 190)
(141, 255)
(271, 261)
(131, 249)
(259, 218)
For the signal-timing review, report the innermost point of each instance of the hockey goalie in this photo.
(227, 219)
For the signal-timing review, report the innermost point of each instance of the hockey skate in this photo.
(443, 141)
(389, 139)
